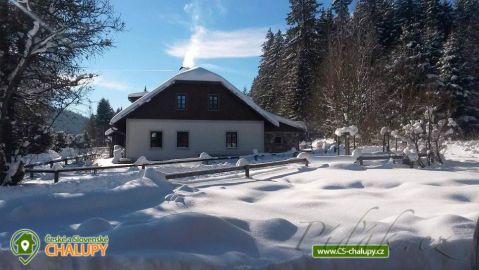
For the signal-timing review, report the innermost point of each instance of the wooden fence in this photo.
(404, 159)
(246, 168)
(94, 169)
(64, 160)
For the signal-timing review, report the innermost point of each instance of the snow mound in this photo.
(183, 232)
(173, 197)
(347, 166)
(186, 188)
(94, 226)
(306, 156)
(158, 178)
(276, 229)
(242, 162)
(142, 160)
(356, 153)
(204, 155)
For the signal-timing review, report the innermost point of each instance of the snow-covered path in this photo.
(427, 215)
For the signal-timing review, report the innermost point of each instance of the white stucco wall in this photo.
(204, 136)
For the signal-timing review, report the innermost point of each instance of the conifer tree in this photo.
(299, 58)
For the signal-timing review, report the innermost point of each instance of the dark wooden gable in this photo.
(163, 105)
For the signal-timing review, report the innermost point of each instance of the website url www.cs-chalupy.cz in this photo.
(350, 251)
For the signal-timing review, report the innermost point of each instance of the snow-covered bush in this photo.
(385, 130)
(427, 135)
(352, 130)
(317, 144)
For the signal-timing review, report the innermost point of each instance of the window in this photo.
(182, 139)
(278, 140)
(213, 103)
(156, 139)
(231, 139)
(181, 102)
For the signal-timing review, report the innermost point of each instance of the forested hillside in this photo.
(384, 64)
(70, 122)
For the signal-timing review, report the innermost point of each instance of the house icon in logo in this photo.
(25, 244)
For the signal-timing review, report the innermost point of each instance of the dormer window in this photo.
(181, 102)
(213, 103)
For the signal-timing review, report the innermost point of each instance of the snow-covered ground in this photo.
(427, 216)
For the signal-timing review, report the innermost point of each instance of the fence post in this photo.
(475, 249)
(246, 171)
(51, 164)
(57, 176)
(66, 161)
(338, 143)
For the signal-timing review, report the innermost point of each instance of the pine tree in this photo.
(458, 84)
(434, 31)
(300, 58)
(277, 73)
(104, 113)
(341, 7)
(261, 88)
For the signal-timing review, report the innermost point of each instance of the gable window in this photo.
(213, 103)
(181, 102)
(278, 140)
(182, 139)
(231, 139)
(156, 139)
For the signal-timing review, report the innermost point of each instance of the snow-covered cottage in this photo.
(199, 111)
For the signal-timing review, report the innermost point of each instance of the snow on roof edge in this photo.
(289, 122)
(137, 94)
(110, 131)
(190, 75)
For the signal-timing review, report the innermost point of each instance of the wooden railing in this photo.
(65, 160)
(404, 158)
(94, 169)
(246, 168)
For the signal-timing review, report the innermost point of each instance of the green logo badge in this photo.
(25, 244)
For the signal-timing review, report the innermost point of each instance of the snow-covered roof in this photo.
(286, 121)
(201, 74)
(110, 131)
(137, 94)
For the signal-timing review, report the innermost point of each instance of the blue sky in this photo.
(224, 36)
